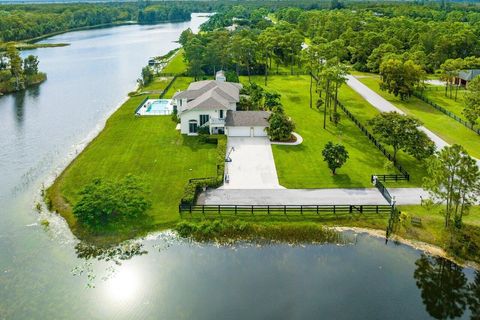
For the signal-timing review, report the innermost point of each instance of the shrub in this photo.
(204, 130)
(280, 127)
(193, 188)
(103, 202)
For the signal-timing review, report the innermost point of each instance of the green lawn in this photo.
(158, 84)
(364, 111)
(303, 166)
(149, 147)
(437, 95)
(177, 65)
(442, 125)
(181, 83)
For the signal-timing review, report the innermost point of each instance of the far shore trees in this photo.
(402, 133)
(472, 101)
(400, 78)
(454, 178)
(105, 202)
(335, 155)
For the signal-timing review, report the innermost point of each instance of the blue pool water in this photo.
(159, 107)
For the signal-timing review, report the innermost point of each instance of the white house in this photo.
(213, 103)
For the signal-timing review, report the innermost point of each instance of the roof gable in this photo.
(468, 75)
(210, 94)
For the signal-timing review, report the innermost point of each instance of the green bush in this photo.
(193, 188)
(281, 127)
(104, 202)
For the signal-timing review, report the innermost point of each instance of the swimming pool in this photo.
(156, 107)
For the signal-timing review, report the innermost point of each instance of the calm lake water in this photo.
(46, 274)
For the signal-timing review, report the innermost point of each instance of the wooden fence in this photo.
(168, 87)
(383, 177)
(446, 112)
(319, 211)
(141, 104)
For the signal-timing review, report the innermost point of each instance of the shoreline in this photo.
(427, 248)
(78, 147)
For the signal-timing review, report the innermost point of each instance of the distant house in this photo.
(213, 104)
(465, 76)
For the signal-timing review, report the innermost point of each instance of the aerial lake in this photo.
(45, 273)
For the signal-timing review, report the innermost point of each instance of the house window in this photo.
(192, 126)
(221, 114)
(204, 119)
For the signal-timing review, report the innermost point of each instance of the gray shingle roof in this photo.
(247, 118)
(468, 75)
(196, 89)
(210, 100)
(210, 94)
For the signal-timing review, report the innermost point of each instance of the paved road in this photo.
(252, 165)
(365, 196)
(385, 106)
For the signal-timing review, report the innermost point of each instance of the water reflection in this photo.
(444, 288)
(19, 105)
(474, 297)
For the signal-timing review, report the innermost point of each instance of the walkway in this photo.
(252, 165)
(366, 196)
(298, 141)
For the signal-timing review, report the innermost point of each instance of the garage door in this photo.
(259, 132)
(239, 131)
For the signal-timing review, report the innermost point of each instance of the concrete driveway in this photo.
(252, 165)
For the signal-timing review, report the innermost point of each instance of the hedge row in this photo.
(194, 186)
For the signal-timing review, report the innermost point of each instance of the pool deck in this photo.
(146, 109)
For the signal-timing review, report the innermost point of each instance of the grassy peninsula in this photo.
(151, 148)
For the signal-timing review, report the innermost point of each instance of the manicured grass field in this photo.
(442, 125)
(303, 166)
(437, 95)
(181, 83)
(148, 147)
(364, 111)
(158, 84)
(177, 65)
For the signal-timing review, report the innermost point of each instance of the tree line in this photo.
(22, 22)
(26, 21)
